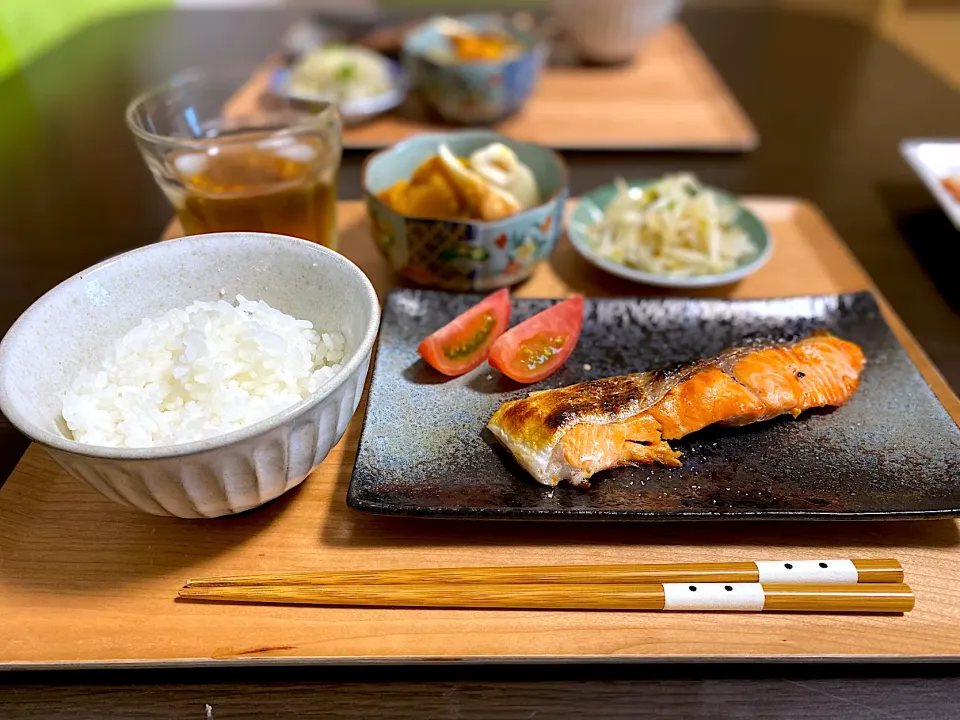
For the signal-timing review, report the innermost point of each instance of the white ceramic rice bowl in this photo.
(73, 325)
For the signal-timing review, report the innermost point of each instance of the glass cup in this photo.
(229, 161)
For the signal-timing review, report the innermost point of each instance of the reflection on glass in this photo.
(246, 168)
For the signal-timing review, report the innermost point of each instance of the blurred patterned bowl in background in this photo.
(475, 92)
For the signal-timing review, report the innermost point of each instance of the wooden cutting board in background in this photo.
(670, 98)
(85, 582)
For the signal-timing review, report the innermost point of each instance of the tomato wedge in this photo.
(465, 342)
(535, 348)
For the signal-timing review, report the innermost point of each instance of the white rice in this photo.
(202, 371)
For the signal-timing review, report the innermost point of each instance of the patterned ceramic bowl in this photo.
(471, 92)
(464, 255)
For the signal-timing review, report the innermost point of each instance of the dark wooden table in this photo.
(831, 101)
(753, 692)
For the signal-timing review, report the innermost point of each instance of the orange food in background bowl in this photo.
(478, 47)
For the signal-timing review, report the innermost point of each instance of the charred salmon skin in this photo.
(574, 432)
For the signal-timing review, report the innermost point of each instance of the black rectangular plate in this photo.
(892, 451)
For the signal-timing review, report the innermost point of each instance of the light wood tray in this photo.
(670, 98)
(86, 582)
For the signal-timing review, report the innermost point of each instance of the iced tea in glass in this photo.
(227, 163)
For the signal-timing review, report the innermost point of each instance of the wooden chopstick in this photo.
(742, 597)
(804, 571)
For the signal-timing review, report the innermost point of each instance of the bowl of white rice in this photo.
(198, 377)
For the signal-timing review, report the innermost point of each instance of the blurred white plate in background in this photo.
(934, 160)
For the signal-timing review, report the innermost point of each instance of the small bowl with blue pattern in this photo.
(472, 92)
(464, 255)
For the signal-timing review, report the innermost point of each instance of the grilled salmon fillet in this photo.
(574, 432)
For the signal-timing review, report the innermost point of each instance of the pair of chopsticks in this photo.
(826, 586)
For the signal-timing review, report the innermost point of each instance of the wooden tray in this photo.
(670, 98)
(86, 582)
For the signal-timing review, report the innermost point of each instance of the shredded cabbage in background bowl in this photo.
(674, 227)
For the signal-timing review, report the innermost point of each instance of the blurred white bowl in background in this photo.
(612, 31)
